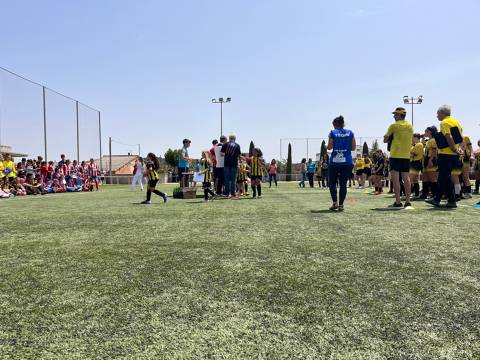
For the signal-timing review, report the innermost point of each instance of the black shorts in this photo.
(368, 171)
(416, 165)
(256, 177)
(152, 183)
(360, 172)
(400, 165)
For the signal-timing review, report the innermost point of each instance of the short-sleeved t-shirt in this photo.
(342, 147)
(311, 167)
(232, 152)
(219, 158)
(417, 152)
(446, 126)
(402, 132)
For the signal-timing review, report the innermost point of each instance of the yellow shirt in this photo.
(2, 168)
(360, 164)
(368, 162)
(8, 164)
(417, 152)
(402, 132)
(430, 148)
(445, 128)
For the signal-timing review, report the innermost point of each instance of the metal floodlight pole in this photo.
(110, 158)
(221, 101)
(412, 101)
(44, 123)
(78, 133)
(138, 149)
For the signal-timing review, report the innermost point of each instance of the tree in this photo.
(375, 146)
(323, 149)
(289, 163)
(282, 166)
(365, 148)
(171, 158)
(250, 149)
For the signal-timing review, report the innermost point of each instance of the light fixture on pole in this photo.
(221, 101)
(412, 101)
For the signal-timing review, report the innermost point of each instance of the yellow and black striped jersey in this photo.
(242, 172)
(256, 166)
(205, 168)
(152, 173)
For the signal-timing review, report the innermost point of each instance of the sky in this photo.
(290, 67)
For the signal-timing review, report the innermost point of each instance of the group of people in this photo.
(39, 177)
(442, 159)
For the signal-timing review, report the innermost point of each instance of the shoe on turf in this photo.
(165, 199)
(340, 208)
(334, 207)
(396, 205)
(467, 196)
(433, 201)
(146, 202)
(407, 204)
(451, 205)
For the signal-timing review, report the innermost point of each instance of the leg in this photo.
(333, 176)
(396, 185)
(343, 177)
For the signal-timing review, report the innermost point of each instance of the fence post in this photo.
(110, 158)
(100, 139)
(44, 124)
(78, 133)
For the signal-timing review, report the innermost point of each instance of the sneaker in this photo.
(165, 199)
(334, 207)
(340, 208)
(467, 196)
(146, 202)
(236, 197)
(407, 204)
(259, 196)
(433, 201)
(451, 205)
(396, 205)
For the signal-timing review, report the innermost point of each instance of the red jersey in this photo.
(44, 170)
(92, 169)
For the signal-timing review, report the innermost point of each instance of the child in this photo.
(377, 171)
(152, 166)
(93, 172)
(359, 171)
(257, 167)
(205, 167)
(272, 172)
(242, 176)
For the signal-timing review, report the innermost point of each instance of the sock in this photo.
(477, 185)
(246, 187)
(458, 189)
(254, 189)
(425, 189)
(416, 188)
(259, 187)
(159, 193)
(433, 188)
(205, 194)
(149, 194)
(468, 189)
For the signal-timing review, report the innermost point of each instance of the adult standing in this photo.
(342, 142)
(399, 137)
(231, 152)
(303, 171)
(218, 171)
(138, 174)
(311, 169)
(272, 172)
(448, 141)
(184, 161)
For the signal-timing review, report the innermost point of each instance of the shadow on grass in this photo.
(324, 211)
(387, 209)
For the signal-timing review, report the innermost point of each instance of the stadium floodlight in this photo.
(412, 101)
(221, 101)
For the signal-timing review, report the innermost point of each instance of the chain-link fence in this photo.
(36, 120)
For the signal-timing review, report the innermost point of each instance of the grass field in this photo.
(95, 275)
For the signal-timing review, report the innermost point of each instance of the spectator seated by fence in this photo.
(36, 176)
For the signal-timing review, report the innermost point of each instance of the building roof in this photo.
(4, 149)
(118, 162)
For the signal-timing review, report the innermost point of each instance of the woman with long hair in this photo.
(342, 142)
(152, 166)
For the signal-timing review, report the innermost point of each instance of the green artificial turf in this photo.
(96, 275)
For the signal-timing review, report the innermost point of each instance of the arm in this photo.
(354, 144)
(330, 144)
(451, 144)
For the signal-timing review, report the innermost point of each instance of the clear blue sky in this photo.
(152, 68)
